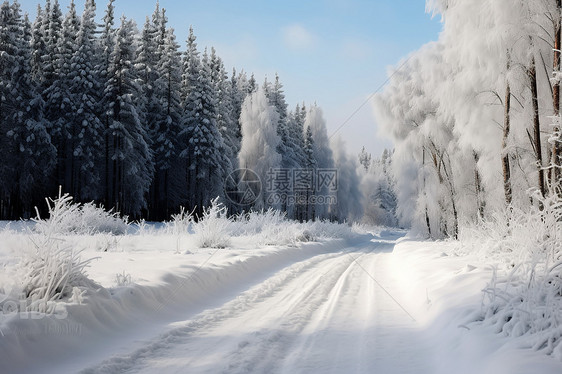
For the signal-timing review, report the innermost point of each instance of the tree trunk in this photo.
(427, 222)
(532, 72)
(480, 200)
(555, 154)
(505, 154)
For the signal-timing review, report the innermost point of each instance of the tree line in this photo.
(125, 118)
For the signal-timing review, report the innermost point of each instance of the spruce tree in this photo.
(132, 166)
(24, 141)
(201, 142)
(88, 129)
(168, 179)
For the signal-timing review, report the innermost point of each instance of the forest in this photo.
(475, 116)
(128, 119)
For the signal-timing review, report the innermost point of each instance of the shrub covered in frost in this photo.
(180, 223)
(53, 272)
(524, 296)
(214, 228)
(67, 217)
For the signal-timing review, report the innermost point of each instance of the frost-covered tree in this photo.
(378, 191)
(365, 159)
(260, 142)
(470, 114)
(348, 195)
(323, 158)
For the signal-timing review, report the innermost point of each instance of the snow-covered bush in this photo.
(180, 223)
(52, 272)
(213, 229)
(524, 296)
(271, 227)
(123, 279)
(67, 217)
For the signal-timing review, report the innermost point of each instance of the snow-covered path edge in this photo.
(444, 293)
(119, 317)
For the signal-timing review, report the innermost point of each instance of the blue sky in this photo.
(332, 52)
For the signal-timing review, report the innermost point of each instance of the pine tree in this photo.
(365, 159)
(88, 129)
(106, 45)
(24, 141)
(252, 85)
(238, 93)
(322, 155)
(53, 34)
(307, 209)
(38, 46)
(168, 172)
(132, 164)
(200, 138)
(57, 94)
(147, 60)
(228, 126)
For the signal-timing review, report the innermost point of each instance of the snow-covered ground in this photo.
(372, 302)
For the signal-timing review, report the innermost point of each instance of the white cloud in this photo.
(297, 37)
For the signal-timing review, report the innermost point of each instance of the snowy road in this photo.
(325, 314)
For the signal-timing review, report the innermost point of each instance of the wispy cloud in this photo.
(297, 37)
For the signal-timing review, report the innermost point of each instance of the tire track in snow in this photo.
(206, 320)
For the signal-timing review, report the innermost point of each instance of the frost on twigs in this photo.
(180, 223)
(524, 297)
(214, 228)
(67, 217)
(53, 272)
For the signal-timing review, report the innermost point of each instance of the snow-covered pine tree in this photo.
(28, 153)
(88, 128)
(323, 157)
(168, 176)
(365, 159)
(228, 125)
(295, 135)
(305, 209)
(146, 62)
(238, 92)
(132, 165)
(349, 197)
(259, 142)
(38, 46)
(105, 47)
(252, 85)
(227, 121)
(287, 147)
(61, 47)
(52, 26)
(201, 143)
